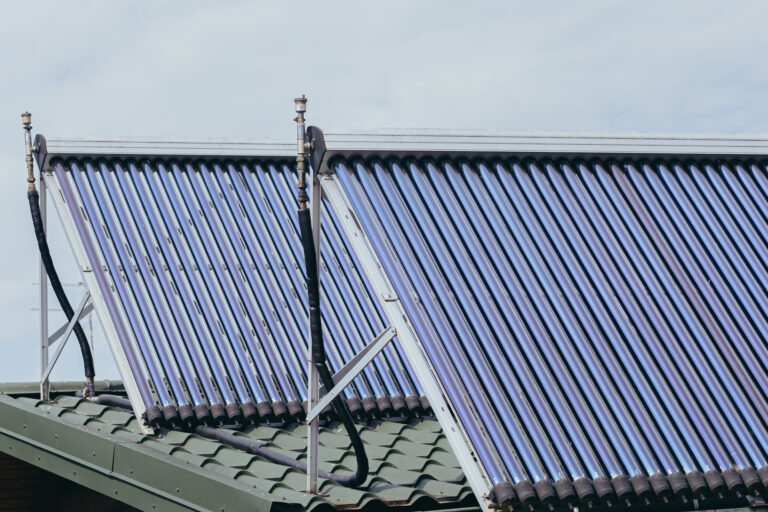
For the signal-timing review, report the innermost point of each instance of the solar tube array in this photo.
(600, 328)
(201, 269)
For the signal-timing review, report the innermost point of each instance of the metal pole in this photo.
(26, 119)
(45, 384)
(313, 378)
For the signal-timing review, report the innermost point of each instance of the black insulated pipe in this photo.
(318, 354)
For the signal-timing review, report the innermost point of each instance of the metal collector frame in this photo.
(93, 300)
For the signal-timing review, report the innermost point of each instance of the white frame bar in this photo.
(45, 385)
(313, 378)
(462, 447)
(97, 297)
(351, 370)
(58, 333)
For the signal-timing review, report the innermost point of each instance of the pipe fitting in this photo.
(301, 147)
(26, 119)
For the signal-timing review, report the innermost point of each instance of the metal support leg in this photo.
(313, 386)
(44, 384)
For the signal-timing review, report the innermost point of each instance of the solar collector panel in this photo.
(203, 270)
(669, 300)
(570, 336)
(563, 292)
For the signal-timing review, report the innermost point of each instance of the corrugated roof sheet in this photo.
(598, 324)
(411, 464)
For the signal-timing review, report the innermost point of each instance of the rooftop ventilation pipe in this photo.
(45, 256)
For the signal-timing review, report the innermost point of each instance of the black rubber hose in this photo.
(109, 400)
(58, 289)
(318, 353)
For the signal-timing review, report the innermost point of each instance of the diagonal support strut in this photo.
(79, 312)
(351, 370)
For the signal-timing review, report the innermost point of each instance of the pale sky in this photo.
(232, 69)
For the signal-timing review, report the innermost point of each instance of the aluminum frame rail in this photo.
(599, 328)
(159, 240)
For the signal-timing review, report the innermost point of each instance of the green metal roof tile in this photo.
(379, 452)
(387, 427)
(192, 458)
(288, 495)
(396, 494)
(443, 444)
(430, 426)
(200, 445)
(400, 476)
(176, 437)
(127, 435)
(440, 490)
(336, 493)
(399, 460)
(223, 469)
(444, 457)
(77, 419)
(265, 433)
(421, 436)
(251, 480)
(333, 439)
(267, 470)
(83, 406)
(287, 441)
(411, 448)
(294, 479)
(235, 458)
(157, 444)
(376, 438)
(374, 465)
(443, 473)
(410, 464)
(115, 417)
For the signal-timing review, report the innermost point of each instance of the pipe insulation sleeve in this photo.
(58, 289)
